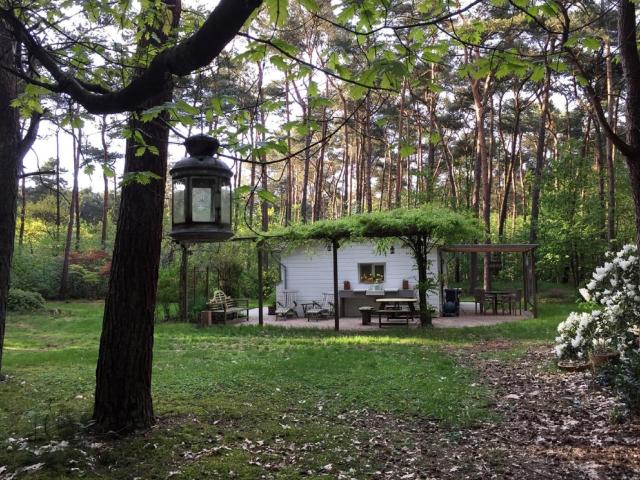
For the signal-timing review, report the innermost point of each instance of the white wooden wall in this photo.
(309, 270)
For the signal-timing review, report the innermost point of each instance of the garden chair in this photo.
(512, 300)
(320, 310)
(286, 306)
(479, 299)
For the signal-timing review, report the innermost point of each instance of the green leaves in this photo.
(311, 5)
(277, 10)
(142, 178)
(267, 196)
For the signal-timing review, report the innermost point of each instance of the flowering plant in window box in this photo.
(371, 278)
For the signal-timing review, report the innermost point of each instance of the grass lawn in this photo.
(236, 402)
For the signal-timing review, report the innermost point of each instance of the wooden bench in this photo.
(394, 314)
(223, 306)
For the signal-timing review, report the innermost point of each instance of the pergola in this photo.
(420, 229)
(529, 283)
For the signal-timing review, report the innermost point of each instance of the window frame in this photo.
(372, 266)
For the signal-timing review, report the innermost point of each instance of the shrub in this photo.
(24, 301)
(627, 379)
(36, 272)
(85, 283)
(615, 290)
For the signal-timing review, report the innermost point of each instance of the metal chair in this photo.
(287, 305)
(479, 298)
(320, 310)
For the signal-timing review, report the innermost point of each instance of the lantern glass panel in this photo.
(179, 188)
(202, 195)
(225, 204)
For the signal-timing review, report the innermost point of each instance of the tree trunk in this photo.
(123, 375)
(73, 206)
(611, 170)
(23, 207)
(12, 152)
(58, 220)
(540, 152)
(10, 165)
(105, 179)
(76, 190)
(483, 155)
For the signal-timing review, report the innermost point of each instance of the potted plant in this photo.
(602, 352)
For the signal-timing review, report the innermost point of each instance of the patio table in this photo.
(494, 294)
(392, 308)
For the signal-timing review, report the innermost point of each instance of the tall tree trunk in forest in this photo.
(540, 152)
(611, 170)
(511, 160)
(58, 219)
(76, 190)
(320, 177)
(289, 205)
(368, 156)
(123, 375)
(600, 160)
(630, 59)
(347, 173)
(73, 207)
(483, 155)
(105, 179)
(12, 152)
(399, 172)
(23, 208)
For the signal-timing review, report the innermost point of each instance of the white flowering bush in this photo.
(615, 289)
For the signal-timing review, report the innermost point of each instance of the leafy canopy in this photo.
(441, 225)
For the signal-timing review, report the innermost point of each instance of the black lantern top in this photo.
(201, 201)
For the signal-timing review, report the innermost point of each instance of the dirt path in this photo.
(549, 425)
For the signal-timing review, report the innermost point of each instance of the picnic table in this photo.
(396, 309)
(494, 295)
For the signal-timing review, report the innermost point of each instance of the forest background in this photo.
(326, 110)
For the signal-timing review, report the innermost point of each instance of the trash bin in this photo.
(366, 315)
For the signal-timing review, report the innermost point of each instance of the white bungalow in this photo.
(363, 275)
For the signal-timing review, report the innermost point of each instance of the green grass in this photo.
(222, 390)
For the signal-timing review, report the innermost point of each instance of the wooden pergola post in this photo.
(534, 283)
(441, 277)
(184, 266)
(260, 285)
(336, 303)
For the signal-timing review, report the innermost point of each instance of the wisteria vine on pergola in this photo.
(420, 229)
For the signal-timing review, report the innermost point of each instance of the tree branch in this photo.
(29, 137)
(195, 52)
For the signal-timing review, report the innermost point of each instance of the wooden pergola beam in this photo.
(490, 248)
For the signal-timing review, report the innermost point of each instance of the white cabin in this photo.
(308, 271)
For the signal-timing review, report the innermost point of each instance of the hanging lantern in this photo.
(201, 194)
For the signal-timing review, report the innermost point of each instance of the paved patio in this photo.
(467, 318)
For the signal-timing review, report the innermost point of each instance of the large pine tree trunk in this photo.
(540, 152)
(9, 166)
(611, 178)
(73, 209)
(105, 179)
(123, 376)
(12, 152)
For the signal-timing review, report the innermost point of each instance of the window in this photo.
(202, 200)
(179, 188)
(371, 272)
